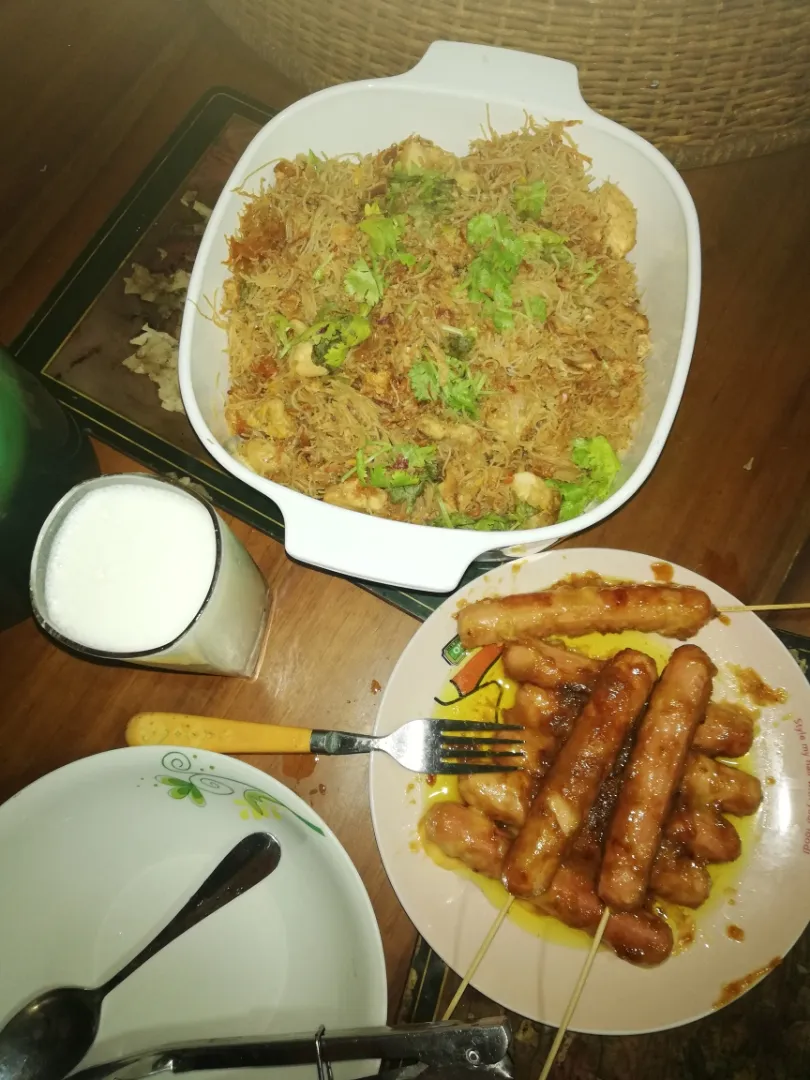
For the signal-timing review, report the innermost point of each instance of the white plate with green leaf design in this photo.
(96, 857)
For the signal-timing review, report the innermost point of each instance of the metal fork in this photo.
(423, 746)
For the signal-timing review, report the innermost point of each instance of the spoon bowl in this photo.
(65, 1021)
(47, 1038)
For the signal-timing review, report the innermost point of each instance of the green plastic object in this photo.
(43, 454)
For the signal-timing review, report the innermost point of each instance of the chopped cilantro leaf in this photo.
(529, 199)
(591, 271)
(492, 271)
(599, 465)
(491, 522)
(544, 237)
(420, 191)
(364, 282)
(460, 391)
(283, 329)
(332, 338)
(481, 228)
(318, 273)
(502, 320)
(383, 232)
(549, 245)
(383, 236)
(424, 380)
(393, 466)
(535, 308)
(457, 343)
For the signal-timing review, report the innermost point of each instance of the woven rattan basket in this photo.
(705, 80)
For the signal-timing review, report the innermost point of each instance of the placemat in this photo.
(122, 300)
(78, 342)
(766, 1033)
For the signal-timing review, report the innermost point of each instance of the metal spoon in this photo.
(50, 1035)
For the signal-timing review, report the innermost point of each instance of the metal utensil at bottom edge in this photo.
(444, 1051)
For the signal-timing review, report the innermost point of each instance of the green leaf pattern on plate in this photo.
(181, 789)
(194, 784)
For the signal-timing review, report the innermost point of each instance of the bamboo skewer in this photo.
(572, 1004)
(763, 607)
(479, 956)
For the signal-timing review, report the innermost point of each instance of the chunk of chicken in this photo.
(508, 419)
(539, 750)
(264, 456)
(464, 833)
(270, 417)
(302, 364)
(727, 731)
(352, 495)
(620, 234)
(679, 879)
(535, 491)
(341, 234)
(711, 783)
(461, 434)
(422, 154)
(504, 797)
(289, 303)
(432, 427)
(705, 834)
(466, 180)
(376, 384)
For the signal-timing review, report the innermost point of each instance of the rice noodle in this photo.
(578, 374)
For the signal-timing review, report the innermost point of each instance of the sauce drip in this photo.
(735, 989)
(299, 766)
(754, 686)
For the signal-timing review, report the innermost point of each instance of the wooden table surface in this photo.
(97, 87)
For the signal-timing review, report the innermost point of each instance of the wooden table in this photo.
(99, 88)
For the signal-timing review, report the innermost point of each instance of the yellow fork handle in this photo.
(222, 736)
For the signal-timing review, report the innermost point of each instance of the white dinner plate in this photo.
(767, 900)
(96, 857)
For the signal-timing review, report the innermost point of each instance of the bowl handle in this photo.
(487, 71)
(389, 552)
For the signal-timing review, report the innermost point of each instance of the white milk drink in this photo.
(136, 568)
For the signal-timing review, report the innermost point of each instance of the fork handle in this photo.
(240, 737)
(221, 736)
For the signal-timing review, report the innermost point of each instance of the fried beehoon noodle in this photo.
(442, 340)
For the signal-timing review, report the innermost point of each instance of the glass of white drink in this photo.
(136, 568)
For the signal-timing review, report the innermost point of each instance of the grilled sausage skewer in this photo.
(572, 783)
(653, 775)
(670, 610)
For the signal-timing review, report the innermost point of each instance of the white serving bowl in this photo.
(445, 98)
(96, 858)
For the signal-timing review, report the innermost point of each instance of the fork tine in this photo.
(483, 740)
(472, 754)
(472, 725)
(453, 769)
